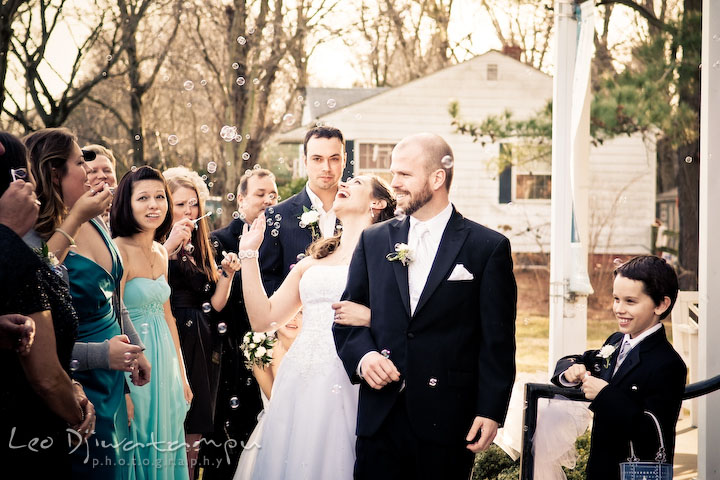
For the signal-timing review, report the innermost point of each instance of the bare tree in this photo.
(8, 13)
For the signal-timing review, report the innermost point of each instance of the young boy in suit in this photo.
(636, 370)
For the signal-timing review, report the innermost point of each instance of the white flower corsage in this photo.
(49, 257)
(402, 253)
(257, 349)
(309, 219)
(606, 352)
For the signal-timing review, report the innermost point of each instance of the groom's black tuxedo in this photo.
(652, 377)
(456, 354)
(278, 252)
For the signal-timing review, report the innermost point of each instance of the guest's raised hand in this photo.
(378, 370)
(122, 353)
(92, 203)
(17, 332)
(487, 428)
(230, 263)
(575, 374)
(351, 314)
(180, 234)
(19, 207)
(591, 386)
(252, 236)
(141, 371)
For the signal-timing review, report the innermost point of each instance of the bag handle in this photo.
(660, 456)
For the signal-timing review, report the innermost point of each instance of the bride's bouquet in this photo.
(258, 349)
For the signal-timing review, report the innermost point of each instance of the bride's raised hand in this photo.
(252, 236)
(351, 314)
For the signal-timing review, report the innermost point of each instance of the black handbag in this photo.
(634, 469)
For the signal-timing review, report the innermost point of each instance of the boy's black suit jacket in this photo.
(456, 354)
(652, 377)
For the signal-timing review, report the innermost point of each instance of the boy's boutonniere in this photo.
(309, 219)
(257, 349)
(402, 253)
(606, 352)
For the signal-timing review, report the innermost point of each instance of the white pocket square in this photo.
(460, 273)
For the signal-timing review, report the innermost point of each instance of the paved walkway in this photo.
(686, 448)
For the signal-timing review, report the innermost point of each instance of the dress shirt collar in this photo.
(327, 220)
(436, 225)
(641, 337)
(314, 199)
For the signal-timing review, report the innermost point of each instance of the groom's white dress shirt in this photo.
(423, 241)
(327, 220)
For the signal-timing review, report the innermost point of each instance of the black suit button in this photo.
(410, 335)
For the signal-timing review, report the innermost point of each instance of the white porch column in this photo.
(709, 254)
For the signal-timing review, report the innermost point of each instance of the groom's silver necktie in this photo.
(419, 268)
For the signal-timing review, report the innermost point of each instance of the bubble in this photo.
(203, 82)
(248, 382)
(206, 307)
(222, 328)
(269, 221)
(240, 81)
(173, 140)
(184, 258)
(688, 159)
(74, 365)
(127, 356)
(211, 167)
(245, 156)
(108, 58)
(133, 168)
(144, 328)
(385, 353)
(166, 78)
(278, 217)
(230, 197)
(236, 215)
(216, 244)
(247, 136)
(276, 225)
(228, 163)
(336, 389)
(204, 177)
(104, 74)
(189, 248)
(248, 172)
(238, 138)
(188, 85)
(274, 232)
(331, 103)
(235, 66)
(241, 40)
(270, 210)
(188, 105)
(399, 214)
(256, 81)
(251, 30)
(316, 103)
(300, 256)
(204, 128)
(219, 211)
(288, 119)
(242, 215)
(137, 137)
(234, 403)
(281, 160)
(188, 323)
(447, 161)
(617, 262)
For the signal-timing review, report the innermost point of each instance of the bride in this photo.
(310, 423)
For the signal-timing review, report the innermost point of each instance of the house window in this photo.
(375, 156)
(529, 186)
(492, 71)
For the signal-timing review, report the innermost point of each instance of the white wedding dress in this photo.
(310, 422)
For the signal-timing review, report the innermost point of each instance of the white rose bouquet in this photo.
(257, 349)
(309, 219)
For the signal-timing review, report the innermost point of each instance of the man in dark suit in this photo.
(306, 216)
(637, 370)
(438, 361)
(238, 403)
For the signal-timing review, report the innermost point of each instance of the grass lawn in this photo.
(532, 332)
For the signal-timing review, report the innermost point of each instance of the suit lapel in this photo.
(633, 358)
(452, 240)
(399, 234)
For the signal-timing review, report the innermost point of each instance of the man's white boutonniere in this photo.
(257, 349)
(49, 257)
(402, 254)
(606, 352)
(309, 219)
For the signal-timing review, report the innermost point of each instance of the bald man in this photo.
(437, 364)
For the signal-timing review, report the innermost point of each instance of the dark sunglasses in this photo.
(88, 155)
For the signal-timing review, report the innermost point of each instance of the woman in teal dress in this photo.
(139, 218)
(102, 351)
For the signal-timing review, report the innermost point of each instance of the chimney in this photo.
(513, 51)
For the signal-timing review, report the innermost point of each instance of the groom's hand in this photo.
(487, 428)
(378, 371)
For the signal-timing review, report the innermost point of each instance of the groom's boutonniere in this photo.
(606, 352)
(309, 219)
(402, 254)
(257, 349)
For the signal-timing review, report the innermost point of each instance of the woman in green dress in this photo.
(106, 346)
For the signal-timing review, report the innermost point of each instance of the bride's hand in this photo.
(351, 314)
(252, 237)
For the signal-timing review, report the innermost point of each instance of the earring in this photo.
(372, 214)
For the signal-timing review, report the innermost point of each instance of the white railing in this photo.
(685, 340)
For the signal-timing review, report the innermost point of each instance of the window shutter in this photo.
(505, 179)
(350, 163)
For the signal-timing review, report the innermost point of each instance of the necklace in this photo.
(148, 258)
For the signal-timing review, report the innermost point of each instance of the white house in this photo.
(516, 201)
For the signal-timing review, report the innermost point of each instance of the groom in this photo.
(437, 364)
